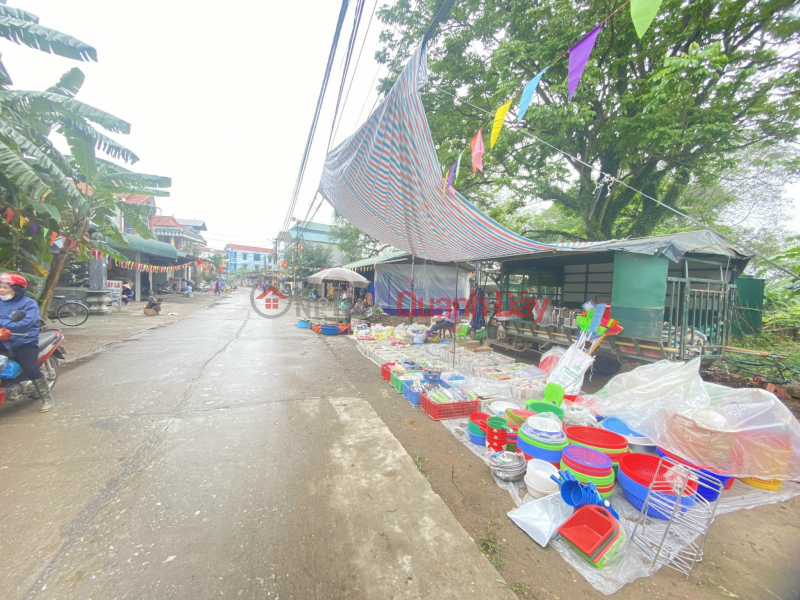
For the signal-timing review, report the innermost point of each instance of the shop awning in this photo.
(153, 247)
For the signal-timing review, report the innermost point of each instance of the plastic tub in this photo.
(478, 440)
(303, 324)
(329, 329)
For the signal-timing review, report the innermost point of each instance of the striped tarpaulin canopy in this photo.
(386, 180)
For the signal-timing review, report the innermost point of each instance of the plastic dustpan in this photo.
(588, 528)
(602, 550)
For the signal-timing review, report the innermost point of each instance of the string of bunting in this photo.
(135, 266)
(642, 14)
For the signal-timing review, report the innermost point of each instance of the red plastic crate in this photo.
(453, 410)
(386, 370)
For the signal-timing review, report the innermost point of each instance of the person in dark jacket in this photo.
(23, 348)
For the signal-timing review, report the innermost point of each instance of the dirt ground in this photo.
(749, 554)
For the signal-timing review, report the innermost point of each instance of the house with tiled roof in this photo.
(255, 258)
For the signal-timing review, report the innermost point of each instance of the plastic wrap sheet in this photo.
(458, 427)
(630, 566)
(431, 283)
(740, 432)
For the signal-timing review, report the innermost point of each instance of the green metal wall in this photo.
(747, 311)
(638, 292)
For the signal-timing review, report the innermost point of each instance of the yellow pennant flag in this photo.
(499, 118)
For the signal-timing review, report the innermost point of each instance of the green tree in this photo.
(305, 259)
(707, 80)
(69, 194)
(353, 243)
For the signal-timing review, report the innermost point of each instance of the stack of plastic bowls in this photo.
(707, 491)
(609, 443)
(636, 474)
(542, 438)
(589, 465)
(476, 427)
(537, 478)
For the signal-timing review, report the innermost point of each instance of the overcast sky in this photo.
(220, 97)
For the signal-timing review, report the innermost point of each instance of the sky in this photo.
(220, 97)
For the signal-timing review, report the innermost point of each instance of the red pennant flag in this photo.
(9, 214)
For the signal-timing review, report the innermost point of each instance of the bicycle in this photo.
(70, 313)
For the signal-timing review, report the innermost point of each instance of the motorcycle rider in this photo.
(23, 348)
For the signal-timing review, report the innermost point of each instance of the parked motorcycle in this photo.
(13, 383)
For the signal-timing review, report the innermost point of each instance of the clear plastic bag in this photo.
(569, 371)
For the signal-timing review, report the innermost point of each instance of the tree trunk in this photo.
(52, 280)
(57, 265)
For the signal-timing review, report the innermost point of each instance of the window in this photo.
(244, 255)
(271, 303)
(257, 257)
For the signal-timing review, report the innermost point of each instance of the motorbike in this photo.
(15, 386)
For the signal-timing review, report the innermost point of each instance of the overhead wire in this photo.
(304, 224)
(607, 176)
(355, 70)
(317, 111)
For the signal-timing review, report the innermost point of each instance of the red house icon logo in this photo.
(271, 297)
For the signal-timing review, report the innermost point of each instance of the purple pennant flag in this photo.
(578, 57)
(33, 229)
(450, 179)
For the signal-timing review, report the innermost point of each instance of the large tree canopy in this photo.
(708, 79)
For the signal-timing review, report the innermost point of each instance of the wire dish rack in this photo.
(677, 534)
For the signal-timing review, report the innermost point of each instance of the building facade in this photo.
(308, 232)
(253, 258)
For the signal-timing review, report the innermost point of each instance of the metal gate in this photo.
(697, 316)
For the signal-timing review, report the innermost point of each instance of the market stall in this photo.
(619, 483)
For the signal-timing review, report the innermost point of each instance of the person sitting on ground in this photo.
(127, 294)
(449, 320)
(153, 307)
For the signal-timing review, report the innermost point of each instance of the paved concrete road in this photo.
(221, 456)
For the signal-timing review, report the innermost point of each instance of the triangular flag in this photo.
(527, 94)
(642, 13)
(21, 221)
(452, 172)
(53, 236)
(578, 57)
(477, 151)
(33, 228)
(9, 214)
(499, 118)
(458, 164)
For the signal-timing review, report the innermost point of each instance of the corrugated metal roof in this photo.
(368, 262)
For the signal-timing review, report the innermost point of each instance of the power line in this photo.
(355, 70)
(350, 47)
(303, 226)
(610, 178)
(318, 109)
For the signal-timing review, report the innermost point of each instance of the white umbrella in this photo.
(339, 274)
